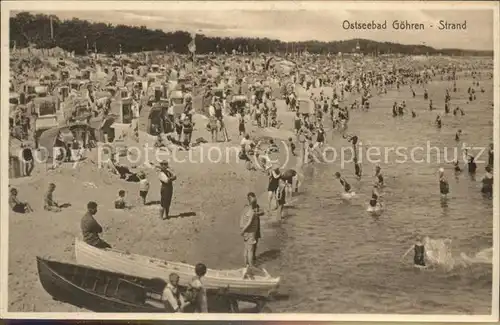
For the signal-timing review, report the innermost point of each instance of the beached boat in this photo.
(97, 290)
(252, 288)
(105, 291)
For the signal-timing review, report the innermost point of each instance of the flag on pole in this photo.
(192, 44)
(51, 28)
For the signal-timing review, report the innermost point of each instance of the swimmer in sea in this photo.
(490, 156)
(487, 187)
(471, 164)
(419, 253)
(439, 123)
(457, 135)
(357, 168)
(354, 140)
(444, 187)
(456, 168)
(374, 204)
(343, 182)
(378, 175)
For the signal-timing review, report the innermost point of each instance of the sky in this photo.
(305, 24)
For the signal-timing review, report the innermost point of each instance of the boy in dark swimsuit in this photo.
(343, 182)
(419, 253)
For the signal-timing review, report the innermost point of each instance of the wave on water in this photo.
(439, 253)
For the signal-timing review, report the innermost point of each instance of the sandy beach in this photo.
(211, 191)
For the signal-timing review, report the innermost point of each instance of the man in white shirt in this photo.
(172, 295)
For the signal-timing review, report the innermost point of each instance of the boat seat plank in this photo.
(130, 291)
(106, 286)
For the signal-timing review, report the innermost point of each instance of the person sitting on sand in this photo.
(91, 228)
(120, 201)
(419, 253)
(159, 142)
(124, 172)
(49, 203)
(16, 205)
(273, 147)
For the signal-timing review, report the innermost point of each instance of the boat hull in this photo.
(63, 290)
(231, 280)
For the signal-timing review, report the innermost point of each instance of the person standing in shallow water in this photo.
(167, 177)
(419, 253)
(487, 183)
(444, 187)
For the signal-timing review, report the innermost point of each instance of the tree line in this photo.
(81, 36)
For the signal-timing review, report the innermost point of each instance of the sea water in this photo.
(337, 258)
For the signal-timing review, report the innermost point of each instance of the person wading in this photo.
(167, 178)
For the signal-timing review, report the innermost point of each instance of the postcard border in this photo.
(226, 5)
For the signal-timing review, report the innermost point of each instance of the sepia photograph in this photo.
(321, 160)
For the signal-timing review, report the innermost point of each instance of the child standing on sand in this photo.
(143, 187)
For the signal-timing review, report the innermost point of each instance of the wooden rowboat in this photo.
(96, 290)
(104, 291)
(253, 288)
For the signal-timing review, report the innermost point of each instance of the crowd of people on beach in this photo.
(260, 110)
